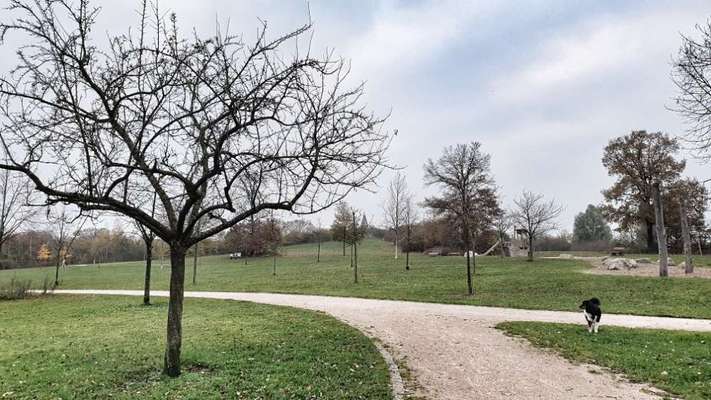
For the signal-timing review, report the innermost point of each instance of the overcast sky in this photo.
(543, 85)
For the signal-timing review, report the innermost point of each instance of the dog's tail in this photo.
(595, 301)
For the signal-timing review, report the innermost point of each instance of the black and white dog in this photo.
(593, 312)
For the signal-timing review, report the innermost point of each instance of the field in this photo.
(506, 282)
(678, 362)
(82, 347)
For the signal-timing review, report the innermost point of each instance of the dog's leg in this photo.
(596, 324)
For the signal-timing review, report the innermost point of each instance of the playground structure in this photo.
(518, 245)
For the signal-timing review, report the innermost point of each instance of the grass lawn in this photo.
(507, 282)
(678, 362)
(83, 347)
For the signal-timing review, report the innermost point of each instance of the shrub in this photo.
(16, 289)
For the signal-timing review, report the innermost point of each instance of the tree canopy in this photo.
(591, 226)
(637, 161)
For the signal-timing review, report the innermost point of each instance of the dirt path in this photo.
(455, 353)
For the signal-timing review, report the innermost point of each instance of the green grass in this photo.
(82, 347)
(677, 362)
(506, 282)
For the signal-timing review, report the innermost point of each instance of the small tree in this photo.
(394, 207)
(468, 196)
(409, 218)
(44, 254)
(536, 215)
(65, 225)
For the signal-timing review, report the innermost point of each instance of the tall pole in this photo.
(355, 250)
(661, 231)
(686, 237)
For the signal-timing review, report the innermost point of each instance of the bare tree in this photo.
(395, 204)
(692, 76)
(220, 129)
(469, 194)
(65, 225)
(15, 210)
(409, 218)
(533, 213)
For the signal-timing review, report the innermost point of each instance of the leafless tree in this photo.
(15, 210)
(409, 218)
(220, 129)
(394, 207)
(692, 76)
(533, 213)
(65, 225)
(468, 196)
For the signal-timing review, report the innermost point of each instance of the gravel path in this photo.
(455, 353)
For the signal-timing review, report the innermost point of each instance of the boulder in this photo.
(643, 261)
(614, 264)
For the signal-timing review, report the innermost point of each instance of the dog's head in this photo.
(595, 302)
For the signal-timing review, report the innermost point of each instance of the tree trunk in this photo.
(686, 237)
(407, 250)
(147, 280)
(396, 243)
(56, 273)
(344, 241)
(651, 244)
(175, 311)
(318, 251)
(661, 231)
(530, 247)
(195, 260)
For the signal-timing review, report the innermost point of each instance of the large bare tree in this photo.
(15, 210)
(468, 198)
(535, 214)
(692, 76)
(394, 207)
(219, 128)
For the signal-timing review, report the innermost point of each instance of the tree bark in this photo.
(396, 243)
(175, 311)
(467, 242)
(661, 231)
(195, 260)
(147, 280)
(651, 244)
(56, 273)
(686, 237)
(530, 247)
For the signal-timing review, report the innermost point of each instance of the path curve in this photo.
(454, 351)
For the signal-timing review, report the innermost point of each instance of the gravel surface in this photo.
(454, 351)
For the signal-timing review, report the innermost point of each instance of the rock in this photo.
(614, 264)
(643, 261)
(670, 262)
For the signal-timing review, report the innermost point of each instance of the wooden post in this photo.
(661, 231)
(686, 237)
